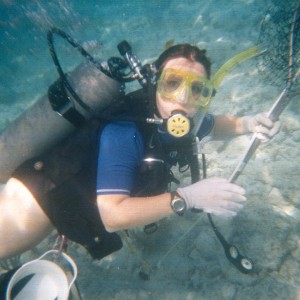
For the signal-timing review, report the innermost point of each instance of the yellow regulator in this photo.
(178, 125)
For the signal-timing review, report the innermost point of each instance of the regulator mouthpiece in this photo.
(178, 125)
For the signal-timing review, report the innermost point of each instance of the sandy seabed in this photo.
(267, 230)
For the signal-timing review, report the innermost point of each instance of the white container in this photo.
(42, 280)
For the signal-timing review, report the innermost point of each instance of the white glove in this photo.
(262, 125)
(214, 195)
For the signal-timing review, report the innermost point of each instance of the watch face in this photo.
(178, 205)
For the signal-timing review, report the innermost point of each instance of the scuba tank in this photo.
(87, 92)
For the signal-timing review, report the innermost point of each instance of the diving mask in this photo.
(184, 87)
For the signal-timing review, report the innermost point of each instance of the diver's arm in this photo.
(22, 221)
(230, 126)
(213, 195)
(123, 212)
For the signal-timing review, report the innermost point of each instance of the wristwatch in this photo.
(177, 203)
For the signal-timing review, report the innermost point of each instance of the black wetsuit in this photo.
(63, 180)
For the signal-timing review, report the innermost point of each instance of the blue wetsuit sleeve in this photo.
(206, 126)
(120, 153)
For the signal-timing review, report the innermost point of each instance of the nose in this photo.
(183, 96)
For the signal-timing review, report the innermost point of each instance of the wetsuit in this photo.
(102, 158)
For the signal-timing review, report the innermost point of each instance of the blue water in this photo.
(26, 69)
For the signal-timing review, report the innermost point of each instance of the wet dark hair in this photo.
(192, 53)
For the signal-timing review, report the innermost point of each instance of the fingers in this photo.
(262, 119)
(226, 208)
(231, 205)
(261, 129)
(264, 134)
(235, 189)
(229, 199)
(221, 212)
(265, 127)
(226, 186)
(275, 129)
(214, 195)
(262, 125)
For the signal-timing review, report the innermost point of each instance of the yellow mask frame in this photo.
(176, 85)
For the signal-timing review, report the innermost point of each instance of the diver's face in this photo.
(188, 70)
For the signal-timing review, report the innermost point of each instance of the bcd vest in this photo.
(69, 171)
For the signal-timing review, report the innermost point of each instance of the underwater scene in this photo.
(183, 258)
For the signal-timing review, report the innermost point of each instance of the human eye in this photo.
(197, 88)
(172, 83)
(206, 92)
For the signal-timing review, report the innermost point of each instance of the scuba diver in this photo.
(115, 174)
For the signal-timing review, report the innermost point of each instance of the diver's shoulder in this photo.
(120, 127)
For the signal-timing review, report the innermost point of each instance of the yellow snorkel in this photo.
(217, 79)
(232, 63)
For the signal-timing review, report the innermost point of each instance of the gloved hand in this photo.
(214, 195)
(262, 125)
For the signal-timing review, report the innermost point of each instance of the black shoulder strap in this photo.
(63, 105)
